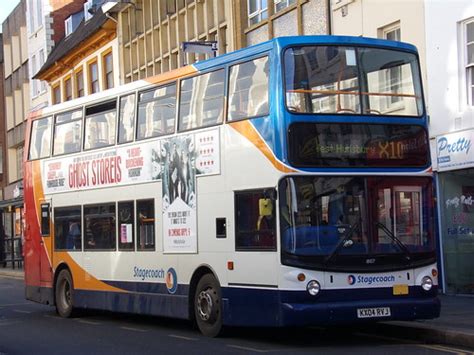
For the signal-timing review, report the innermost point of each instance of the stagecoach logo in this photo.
(171, 280)
(369, 280)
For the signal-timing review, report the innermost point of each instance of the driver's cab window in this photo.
(255, 227)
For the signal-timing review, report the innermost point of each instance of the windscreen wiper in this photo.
(397, 241)
(345, 242)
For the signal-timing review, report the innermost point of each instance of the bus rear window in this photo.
(357, 145)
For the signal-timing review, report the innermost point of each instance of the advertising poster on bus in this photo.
(179, 194)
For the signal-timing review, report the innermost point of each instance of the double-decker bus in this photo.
(288, 183)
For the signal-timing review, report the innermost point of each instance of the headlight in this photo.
(313, 287)
(426, 283)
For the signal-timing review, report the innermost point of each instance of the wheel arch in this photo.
(197, 275)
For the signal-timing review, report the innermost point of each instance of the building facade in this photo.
(447, 63)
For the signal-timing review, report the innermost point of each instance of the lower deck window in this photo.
(126, 225)
(255, 229)
(99, 222)
(146, 225)
(67, 228)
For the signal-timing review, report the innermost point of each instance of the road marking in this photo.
(54, 317)
(445, 349)
(88, 322)
(387, 338)
(134, 329)
(15, 304)
(21, 311)
(2, 323)
(248, 349)
(181, 337)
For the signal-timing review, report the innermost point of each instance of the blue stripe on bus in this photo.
(268, 307)
(147, 287)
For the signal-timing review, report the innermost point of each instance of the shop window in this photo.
(100, 125)
(40, 138)
(126, 220)
(255, 221)
(67, 228)
(126, 118)
(156, 112)
(99, 222)
(248, 89)
(146, 225)
(202, 100)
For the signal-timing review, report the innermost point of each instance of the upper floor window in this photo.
(156, 112)
(35, 14)
(248, 89)
(68, 132)
(56, 92)
(108, 71)
(202, 100)
(100, 125)
(40, 138)
(68, 89)
(469, 59)
(394, 75)
(79, 83)
(281, 4)
(257, 11)
(93, 77)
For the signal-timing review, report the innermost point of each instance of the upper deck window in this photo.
(350, 80)
(202, 100)
(101, 122)
(40, 138)
(248, 89)
(68, 132)
(126, 119)
(156, 112)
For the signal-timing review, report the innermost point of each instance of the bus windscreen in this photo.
(357, 145)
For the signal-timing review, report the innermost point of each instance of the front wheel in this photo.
(208, 306)
(64, 294)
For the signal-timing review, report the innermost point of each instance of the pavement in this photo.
(455, 326)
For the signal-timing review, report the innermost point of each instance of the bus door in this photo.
(46, 241)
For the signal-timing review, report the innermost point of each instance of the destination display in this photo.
(357, 145)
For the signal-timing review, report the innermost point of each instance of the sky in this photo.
(6, 7)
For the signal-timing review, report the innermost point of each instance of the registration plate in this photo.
(373, 312)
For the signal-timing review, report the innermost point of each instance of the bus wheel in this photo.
(64, 294)
(208, 306)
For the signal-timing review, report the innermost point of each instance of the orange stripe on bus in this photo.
(172, 75)
(246, 129)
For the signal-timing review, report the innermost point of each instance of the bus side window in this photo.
(126, 218)
(67, 228)
(255, 224)
(248, 89)
(202, 100)
(126, 119)
(99, 222)
(101, 122)
(68, 132)
(146, 225)
(40, 138)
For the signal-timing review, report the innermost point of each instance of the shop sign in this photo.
(455, 150)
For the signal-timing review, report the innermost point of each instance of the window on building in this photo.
(394, 74)
(35, 14)
(146, 224)
(99, 227)
(56, 92)
(41, 63)
(101, 122)
(108, 71)
(93, 78)
(156, 112)
(68, 132)
(257, 11)
(19, 162)
(126, 118)
(469, 61)
(67, 228)
(126, 225)
(248, 89)
(40, 138)
(255, 227)
(202, 100)
(79, 83)
(68, 89)
(282, 4)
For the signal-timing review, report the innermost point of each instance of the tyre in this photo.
(64, 294)
(208, 306)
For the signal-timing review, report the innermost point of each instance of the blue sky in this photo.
(6, 7)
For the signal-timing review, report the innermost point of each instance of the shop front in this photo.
(11, 223)
(455, 158)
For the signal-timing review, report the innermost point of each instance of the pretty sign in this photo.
(454, 150)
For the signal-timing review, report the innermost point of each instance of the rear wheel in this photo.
(208, 306)
(64, 294)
